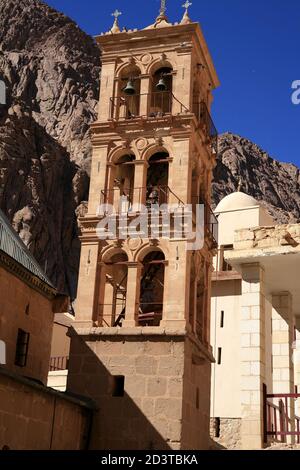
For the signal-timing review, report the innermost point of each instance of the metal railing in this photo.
(280, 420)
(150, 314)
(205, 120)
(212, 224)
(149, 195)
(59, 363)
(156, 104)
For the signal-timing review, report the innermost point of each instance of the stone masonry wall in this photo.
(149, 414)
(32, 418)
(196, 399)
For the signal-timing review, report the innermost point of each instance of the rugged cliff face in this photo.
(51, 69)
(276, 185)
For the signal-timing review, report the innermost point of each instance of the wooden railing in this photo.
(59, 363)
(280, 420)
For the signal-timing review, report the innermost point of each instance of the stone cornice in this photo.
(26, 276)
(142, 333)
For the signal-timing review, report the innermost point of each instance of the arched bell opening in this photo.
(115, 272)
(152, 289)
(158, 179)
(129, 93)
(123, 182)
(162, 92)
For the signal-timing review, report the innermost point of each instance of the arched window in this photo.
(129, 93)
(157, 179)
(123, 182)
(152, 289)
(115, 289)
(162, 92)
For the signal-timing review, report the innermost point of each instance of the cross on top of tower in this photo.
(186, 18)
(116, 14)
(186, 5)
(115, 28)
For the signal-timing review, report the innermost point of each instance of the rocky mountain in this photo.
(51, 69)
(276, 185)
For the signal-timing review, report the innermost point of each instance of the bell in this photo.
(129, 89)
(161, 86)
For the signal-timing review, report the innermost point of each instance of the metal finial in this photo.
(163, 8)
(162, 11)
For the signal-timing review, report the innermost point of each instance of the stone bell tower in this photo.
(140, 342)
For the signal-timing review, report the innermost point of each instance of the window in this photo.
(118, 382)
(217, 427)
(219, 356)
(22, 348)
(197, 398)
(222, 319)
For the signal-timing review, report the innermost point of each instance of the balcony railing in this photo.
(149, 196)
(156, 105)
(211, 225)
(59, 363)
(159, 104)
(202, 114)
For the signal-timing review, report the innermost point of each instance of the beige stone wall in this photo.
(155, 411)
(32, 419)
(15, 295)
(226, 395)
(60, 346)
(196, 400)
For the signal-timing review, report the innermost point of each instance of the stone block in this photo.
(175, 387)
(250, 326)
(250, 299)
(156, 387)
(245, 340)
(171, 366)
(170, 408)
(135, 386)
(146, 365)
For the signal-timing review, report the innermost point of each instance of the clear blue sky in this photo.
(255, 45)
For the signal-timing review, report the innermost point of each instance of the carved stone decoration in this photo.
(126, 144)
(146, 59)
(134, 243)
(141, 143)
(159, 141)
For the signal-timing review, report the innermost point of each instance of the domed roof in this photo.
(235, 201)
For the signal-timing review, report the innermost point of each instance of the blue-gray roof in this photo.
(13, 246)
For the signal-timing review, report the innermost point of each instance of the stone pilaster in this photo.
(282, 340)
(85, 304)
(252, 355)
(133, 294)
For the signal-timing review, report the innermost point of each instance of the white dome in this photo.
(236, 201)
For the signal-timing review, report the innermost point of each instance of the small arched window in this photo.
(162, 92)
(152, 289)
(129, 93)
